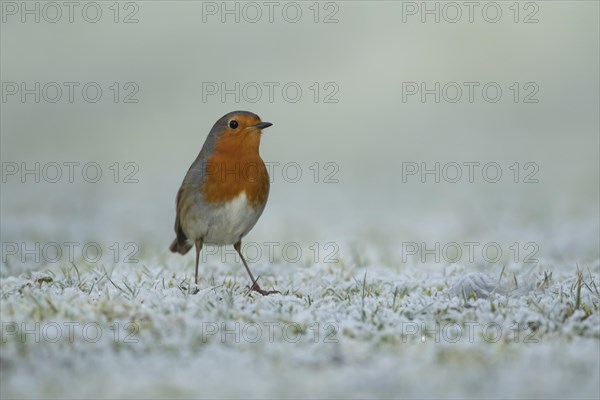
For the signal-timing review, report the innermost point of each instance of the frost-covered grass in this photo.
(348, 329)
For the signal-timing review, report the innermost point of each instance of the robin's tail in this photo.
(181, 248)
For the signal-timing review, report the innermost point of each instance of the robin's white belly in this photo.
(224, 224)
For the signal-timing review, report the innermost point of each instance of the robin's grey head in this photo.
(238, 123)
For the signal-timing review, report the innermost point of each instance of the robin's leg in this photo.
(255, 286)
(198, 248)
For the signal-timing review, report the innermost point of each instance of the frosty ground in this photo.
(342, 329)
(366, 322)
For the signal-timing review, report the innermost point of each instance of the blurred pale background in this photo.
(368, 133)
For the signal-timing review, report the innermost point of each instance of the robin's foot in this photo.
(190, 288)
(256, 288)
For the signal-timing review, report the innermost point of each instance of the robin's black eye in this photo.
(233, 124)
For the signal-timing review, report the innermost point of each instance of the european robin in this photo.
(225, 190)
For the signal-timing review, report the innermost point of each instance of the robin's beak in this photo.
(262, 125)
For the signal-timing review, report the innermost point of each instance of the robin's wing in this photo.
(181, 238)
(193, 178)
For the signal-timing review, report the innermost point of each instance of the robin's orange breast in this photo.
(235, 167)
